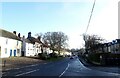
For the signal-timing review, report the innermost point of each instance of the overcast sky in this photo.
(70, 17)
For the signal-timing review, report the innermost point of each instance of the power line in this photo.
(90, 16)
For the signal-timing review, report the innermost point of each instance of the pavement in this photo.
(113, 69)
(17, 62)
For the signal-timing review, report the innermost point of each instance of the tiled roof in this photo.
(45, 45)
(8, 34)
(33, 40)
(28, 41)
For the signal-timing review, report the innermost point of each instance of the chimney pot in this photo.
(29, 34)
(14, 32)
(19, 35)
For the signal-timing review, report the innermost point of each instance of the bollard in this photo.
(4, 62)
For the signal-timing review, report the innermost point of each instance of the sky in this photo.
(70, 17)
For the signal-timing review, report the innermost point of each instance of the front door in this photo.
(14, 52)
(10, 52)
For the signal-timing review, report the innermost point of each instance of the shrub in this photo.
(53, 55)
(42, 56)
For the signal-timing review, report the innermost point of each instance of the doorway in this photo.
(10, 52)
(14, 52)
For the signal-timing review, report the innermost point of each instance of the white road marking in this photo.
(65, 70)
(27, 72)
(22, 67)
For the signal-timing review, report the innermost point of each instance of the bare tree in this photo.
(39, 36)
(56, 40)
(92, 42)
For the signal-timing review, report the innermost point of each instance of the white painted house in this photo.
(46, 48)
(10, 44)
(31, 46)
(36, 44)
(29, 50)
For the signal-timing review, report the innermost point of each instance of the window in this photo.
(17, 43)
(5, 50)
(6, 41)
(37, 50)
(18, 52)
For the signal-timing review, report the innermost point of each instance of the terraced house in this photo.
(31, 46)
(10, 44)
(36, 43)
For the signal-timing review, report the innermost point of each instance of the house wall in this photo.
(29, 49)
(10, 47)
(117, 48)
(109, 50)
(47, 50)
(37, 48)
(105, 49)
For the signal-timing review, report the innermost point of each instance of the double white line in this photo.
(27, 72)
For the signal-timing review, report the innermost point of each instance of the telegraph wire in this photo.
(90, 17)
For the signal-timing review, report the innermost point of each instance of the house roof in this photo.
(7, 34)
(33, 40)
(45, 45)
(28, 41)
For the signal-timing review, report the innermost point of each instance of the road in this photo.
(62, 68)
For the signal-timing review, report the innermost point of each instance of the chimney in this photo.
(14, 32)
(19, 35)
(29, 34)
(39, 38)
(23, 38)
